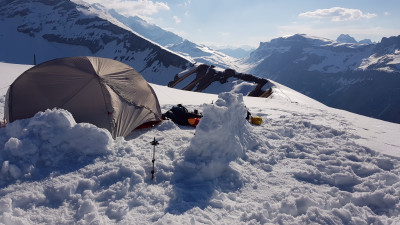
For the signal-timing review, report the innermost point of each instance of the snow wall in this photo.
(222, 136)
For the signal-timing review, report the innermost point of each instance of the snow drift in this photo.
(49, 141)
(223, 135)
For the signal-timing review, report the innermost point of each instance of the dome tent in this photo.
(101, 91)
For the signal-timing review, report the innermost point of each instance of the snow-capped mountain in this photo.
(195, 52)
(41, 30)
(236, 52)
(150, 31)
(345, 38)
(204, 54)
(360, 78)
(51, 29)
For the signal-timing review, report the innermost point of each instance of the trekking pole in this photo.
(154, 143)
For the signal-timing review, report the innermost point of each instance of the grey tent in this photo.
(101, 91)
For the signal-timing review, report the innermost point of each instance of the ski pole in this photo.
(154, 143)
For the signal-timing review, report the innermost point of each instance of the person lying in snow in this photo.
(180, 115)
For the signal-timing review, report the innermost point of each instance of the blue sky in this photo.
(249, 22)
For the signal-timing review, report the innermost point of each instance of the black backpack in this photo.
(180, 115)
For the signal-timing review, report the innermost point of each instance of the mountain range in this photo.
(194, 52)
(48, 29)
(361, 77)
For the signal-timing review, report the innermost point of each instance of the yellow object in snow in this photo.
(256, 120)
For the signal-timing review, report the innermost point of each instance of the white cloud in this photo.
(141, 8)
(177, 19)
(337, 14)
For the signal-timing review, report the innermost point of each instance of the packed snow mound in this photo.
(50, 139)
(223, 135)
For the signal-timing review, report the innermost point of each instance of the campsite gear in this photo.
(248, 115)
(3, 123)
(256, 120)
(194, 121)
(179, 114)
(154, 143)
(100, 91)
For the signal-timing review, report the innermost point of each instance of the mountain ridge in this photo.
(48, 29)
(360, 78)
(326, 70)
(188, 49)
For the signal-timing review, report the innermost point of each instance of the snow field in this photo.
(329, 178)
(220, 172)
(306, 164)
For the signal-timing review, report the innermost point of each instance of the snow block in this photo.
(222, 136)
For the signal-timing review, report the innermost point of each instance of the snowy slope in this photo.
(306, 164)
(44, 30)
(195, 52)
(203, 54)
(141, 26)
(237, 52)
(391, 60)
(53, 29)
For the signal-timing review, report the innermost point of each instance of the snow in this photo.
(33, 146)
(335, 62)
(90, 32)
(203, 54)
(233, 85)
(306, 164)
(388, 62)
(209, 154)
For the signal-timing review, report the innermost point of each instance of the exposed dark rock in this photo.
(388, 44)
(206, 75)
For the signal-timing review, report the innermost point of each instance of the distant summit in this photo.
(345, 38)
(366, 41)
(236, 52)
